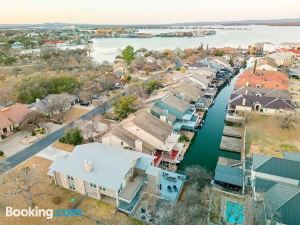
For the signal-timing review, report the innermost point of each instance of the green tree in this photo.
(151, 85)
(124, 105)
(128, 54)
(73, 137)
(231, 61)
(33, 87)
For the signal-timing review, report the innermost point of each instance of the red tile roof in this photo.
(12, 115)
(295, 51)
(266, 79)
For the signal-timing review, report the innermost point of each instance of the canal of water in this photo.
(205, 147)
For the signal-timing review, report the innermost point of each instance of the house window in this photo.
(72, 186)
(93, 185)
(70, 178)
(102, 188)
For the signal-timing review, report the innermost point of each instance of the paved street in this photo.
(38, 146)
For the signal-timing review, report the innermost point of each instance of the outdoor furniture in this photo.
(175, 188)
(143, 210)
(169, 188)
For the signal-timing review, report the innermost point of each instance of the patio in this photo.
(170, 185)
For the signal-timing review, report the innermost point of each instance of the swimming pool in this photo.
(234, 213)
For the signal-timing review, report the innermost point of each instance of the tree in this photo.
(60, 105)
(21, 184)
(288, 121)
(151, 85)
(72, 137)
(124, 105)
(193, 208)
(33, 87)
(231, 61)
(32, 121)
(128, 54)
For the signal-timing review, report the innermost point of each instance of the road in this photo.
(38, 146)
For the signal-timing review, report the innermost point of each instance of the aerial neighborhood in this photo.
(205, 135)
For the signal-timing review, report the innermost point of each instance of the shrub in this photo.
(33, 133)
(72, 137)
(3, 136)
(184, 138)
(1, 153)
(56, 200)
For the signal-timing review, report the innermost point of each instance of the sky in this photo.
(143, 12)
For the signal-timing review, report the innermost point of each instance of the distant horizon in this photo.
(128, 12)
(171, 23)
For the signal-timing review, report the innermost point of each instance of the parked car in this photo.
(85, 103)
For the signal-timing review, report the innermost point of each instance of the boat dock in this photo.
(235, 132)
(231, 144)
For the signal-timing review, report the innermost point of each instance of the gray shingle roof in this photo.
(110, 164)
(253, 91)
(152, 125)
(266, 102)
(229, 175)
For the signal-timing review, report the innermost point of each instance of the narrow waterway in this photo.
(204, 149)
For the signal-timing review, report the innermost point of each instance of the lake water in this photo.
(107, 49)
(205, 147)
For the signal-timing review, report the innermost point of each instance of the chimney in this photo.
(87, 166)
(246, 91)
(244, 101)
(138, 145)
(247, 84)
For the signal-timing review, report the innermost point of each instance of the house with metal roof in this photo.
(229, 176)
(177, 112)
(103, 171)
(276, 182)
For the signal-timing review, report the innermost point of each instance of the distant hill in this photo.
(274, 22)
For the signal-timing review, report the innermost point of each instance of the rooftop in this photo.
(110, 164)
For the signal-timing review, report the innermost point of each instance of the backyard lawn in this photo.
(265, 136)
(47, 195)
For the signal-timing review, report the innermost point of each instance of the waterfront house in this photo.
(201, 77)
(263, 79)
(145, 133)
(283, 58)
(109, 172)
(263, 92)
(186, 91)
(275, 183)
(177, 112)
(119, 70)
(267, 105)
(11, 117)
(266, 64)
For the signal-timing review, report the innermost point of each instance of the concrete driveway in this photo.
(51, 153)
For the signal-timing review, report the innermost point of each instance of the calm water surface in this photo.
(204, 149)
(107, 49)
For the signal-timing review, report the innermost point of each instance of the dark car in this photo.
(85, 103)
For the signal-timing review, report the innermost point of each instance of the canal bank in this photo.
(205, 147)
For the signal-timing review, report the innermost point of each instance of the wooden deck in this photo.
(231, 144)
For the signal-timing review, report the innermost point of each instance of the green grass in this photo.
(288, 147)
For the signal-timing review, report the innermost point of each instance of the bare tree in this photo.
(32, 121)
(288, 121)
(21, 184)
(60, 105)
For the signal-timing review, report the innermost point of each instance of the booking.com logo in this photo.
(47, 213)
